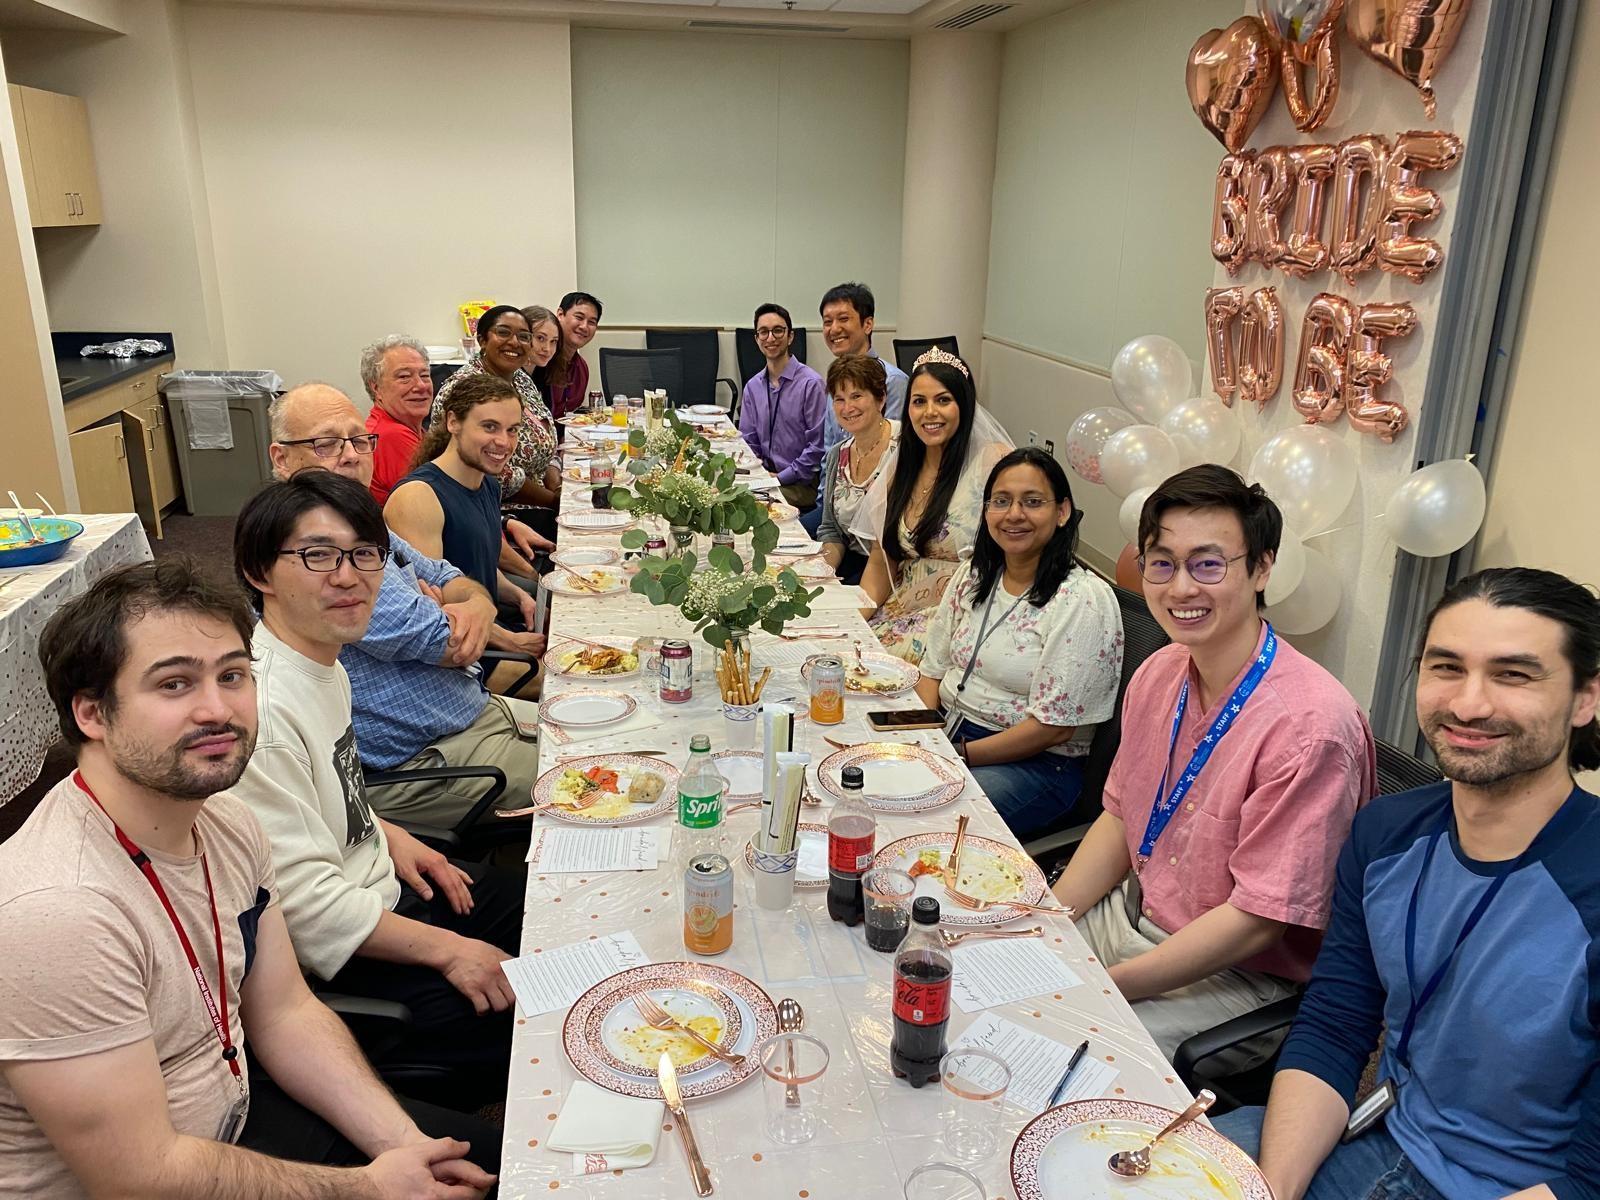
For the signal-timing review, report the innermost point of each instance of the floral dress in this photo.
(901, 624)
(536, 435)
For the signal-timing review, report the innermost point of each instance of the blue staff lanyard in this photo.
(1161, 811)
(1420, 999)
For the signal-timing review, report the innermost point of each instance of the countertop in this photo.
(84, 376)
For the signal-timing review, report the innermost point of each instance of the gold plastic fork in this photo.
(660, 1018)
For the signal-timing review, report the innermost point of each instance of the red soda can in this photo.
(677, 671)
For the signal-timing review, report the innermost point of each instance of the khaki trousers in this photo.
(490, 741)
(1175, 1016)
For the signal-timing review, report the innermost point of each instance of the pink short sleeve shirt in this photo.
(1262, 827)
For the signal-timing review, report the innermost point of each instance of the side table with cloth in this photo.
(28, 598)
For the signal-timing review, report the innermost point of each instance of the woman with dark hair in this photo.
(920, 517)
(506, 350)
(1025, 649)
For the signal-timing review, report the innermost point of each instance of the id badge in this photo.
(233, 1121)
(1371, 1110)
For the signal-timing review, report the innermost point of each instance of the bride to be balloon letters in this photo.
(1343, 208)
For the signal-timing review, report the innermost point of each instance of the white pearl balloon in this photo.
(1288, 568)
(1128, 514)
(1204, 430)
(1150, 375)
(1310, 473)
(1313, 603)
(1437, 509)
(1135, 457)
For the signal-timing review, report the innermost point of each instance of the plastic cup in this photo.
(943, 1181)
(888, 893)
(792, 1064)
(974, 1083)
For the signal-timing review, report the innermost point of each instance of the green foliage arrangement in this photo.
(723, 599)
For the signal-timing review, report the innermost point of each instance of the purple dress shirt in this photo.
(783, 424)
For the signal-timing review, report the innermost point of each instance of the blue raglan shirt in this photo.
(1503, 1089)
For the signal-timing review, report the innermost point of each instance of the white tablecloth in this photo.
(877, 1129)
(28, 597)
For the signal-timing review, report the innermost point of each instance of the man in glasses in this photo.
(782, 410)
(1206, 883)
(415, 675)
(369, 909)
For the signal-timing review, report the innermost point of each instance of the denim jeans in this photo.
(1373, 1167)
(1032, 794)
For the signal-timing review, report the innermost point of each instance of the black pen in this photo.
(1066, 1076)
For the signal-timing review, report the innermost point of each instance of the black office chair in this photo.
(631, 372)
(701, 357)
(751, 360)
(441, 372)
(1142, 636)
(908, 350)
(475, 836)
(1397, 772)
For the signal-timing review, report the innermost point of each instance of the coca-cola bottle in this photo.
(852, 830)
(602, 470)
(921, 997)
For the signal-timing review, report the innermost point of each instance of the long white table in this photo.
(876, 1129)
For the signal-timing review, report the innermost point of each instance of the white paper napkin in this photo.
(604, 1131)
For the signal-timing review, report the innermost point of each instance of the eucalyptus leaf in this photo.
(633, 539)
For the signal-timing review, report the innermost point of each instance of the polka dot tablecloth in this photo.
(28, 597)
(875, 1130)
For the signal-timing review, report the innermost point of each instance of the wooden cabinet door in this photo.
(20, 122)
(139, 432)
(164, 475)
(100, 464)
(50, 125)
(85, 182)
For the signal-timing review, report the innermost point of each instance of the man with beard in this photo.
(143, 944)
(1466, 925)
(311, 552)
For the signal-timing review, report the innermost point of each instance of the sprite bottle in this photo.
(701, 788)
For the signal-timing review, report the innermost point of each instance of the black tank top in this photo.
(471, 523)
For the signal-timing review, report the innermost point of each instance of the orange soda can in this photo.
(707, 904)
(827, 691)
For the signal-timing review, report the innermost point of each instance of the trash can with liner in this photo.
(219, 425)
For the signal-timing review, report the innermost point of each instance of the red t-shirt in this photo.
(391, 459)
(569, 399)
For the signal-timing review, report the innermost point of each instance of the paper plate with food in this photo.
(580, 419)
(781, 511)
(610, 662)
(608, 789)
(611, 1045)
(1063, 1154)
(897, 777)
(586, 581)
(991, 871)
(872, 676)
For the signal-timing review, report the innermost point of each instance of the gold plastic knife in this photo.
(668, 1076)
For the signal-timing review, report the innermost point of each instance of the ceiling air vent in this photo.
(967, 18)
(767, 26)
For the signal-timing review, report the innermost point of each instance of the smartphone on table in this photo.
(899, 720)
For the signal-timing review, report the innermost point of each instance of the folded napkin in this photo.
(606, 1132)
(605, 738)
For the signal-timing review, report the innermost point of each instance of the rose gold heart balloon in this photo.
(1410, 37)
(1306, 33)
(1232, 75)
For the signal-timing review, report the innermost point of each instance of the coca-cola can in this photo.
(677, 671)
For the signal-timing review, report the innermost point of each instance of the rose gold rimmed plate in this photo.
(743, 769)
(587, 709)
(757, 1013)
(611, 581)
(582, 558)
(612, 809)
(990, 870)
(626, 1043)
(1062, 1154)
(597, 520)
(811, 870)
(898, 778)
(885, 675)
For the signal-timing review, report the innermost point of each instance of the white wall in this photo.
(716, 172)
(150, 266)
(367, 173)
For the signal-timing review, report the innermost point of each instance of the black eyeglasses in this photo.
(325, 560)
(1202, 568)
(768, 334)
(332, 447)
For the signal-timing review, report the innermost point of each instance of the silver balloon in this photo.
(1313, 602)
(1204, 430)
(1310, 473)
(1138, 456)
(1151, 375)
(1438, 509)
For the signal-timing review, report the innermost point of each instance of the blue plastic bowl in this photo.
(57, 533)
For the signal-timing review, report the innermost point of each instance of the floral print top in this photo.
(1059, 664)
(536, 435)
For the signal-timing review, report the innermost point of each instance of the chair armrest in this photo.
(494, 775)
(1269, 1018)
(1058, 840)
(733, 390)
(513, 656)
(439, 839)
(366, 1008)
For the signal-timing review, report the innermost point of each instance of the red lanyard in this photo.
(219, 1020)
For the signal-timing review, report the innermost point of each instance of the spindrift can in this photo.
(707, 904)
